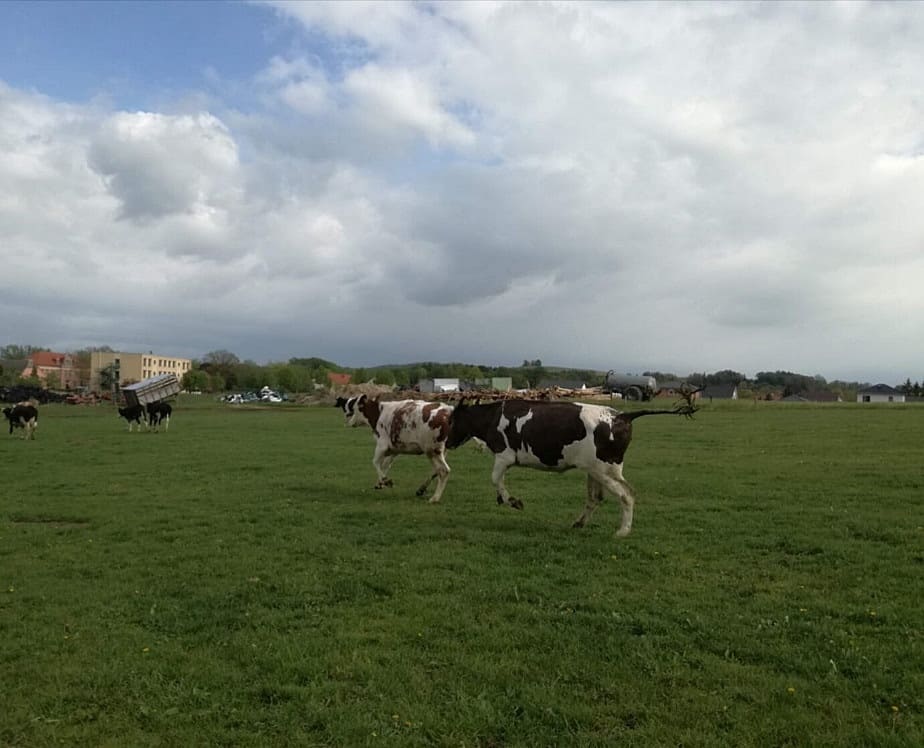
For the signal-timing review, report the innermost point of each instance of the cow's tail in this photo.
(685, 409)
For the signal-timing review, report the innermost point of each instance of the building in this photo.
(55, 370)
(880, 393)
(128, 368)
(501, 384)
(338, 379)
(720, 392)
(438, 385)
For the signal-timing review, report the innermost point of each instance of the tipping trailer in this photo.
(630, 387)
(151, 390)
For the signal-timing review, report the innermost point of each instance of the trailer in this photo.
(151, 390)
(630, 387)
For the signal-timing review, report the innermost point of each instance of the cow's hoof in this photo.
(500, 499)
(577, 524)
(433, 501)
(420, 491)
(516, 503)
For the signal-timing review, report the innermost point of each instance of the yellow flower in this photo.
(791, 689)
(894, 708)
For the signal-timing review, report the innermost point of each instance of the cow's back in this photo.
(413, 426)
(558, 435)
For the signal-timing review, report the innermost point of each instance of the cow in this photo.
(402, 427)
(134, 414)
(23, 417)
(159, 413)
(556, 436)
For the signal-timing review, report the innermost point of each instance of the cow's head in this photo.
(352, 410)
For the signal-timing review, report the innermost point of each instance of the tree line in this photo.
(223, 371)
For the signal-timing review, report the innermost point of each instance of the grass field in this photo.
(237, 582)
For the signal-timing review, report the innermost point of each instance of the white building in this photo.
(880, 393)
(438, 385)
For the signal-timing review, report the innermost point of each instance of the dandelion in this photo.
(145, 650)
(791, 689)
(894, 708)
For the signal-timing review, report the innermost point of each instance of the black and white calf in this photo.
(134, 414)
(23, 417)
(159, 413)
(556, 436)
(403, 427)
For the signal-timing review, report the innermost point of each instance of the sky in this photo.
(678, 187)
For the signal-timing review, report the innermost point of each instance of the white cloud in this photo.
(157, 165)
(601, 184)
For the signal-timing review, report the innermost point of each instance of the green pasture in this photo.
(237, 582)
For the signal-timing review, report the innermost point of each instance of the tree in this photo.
(221, 358)
(222, 364)
(195, 379)
(13, 351)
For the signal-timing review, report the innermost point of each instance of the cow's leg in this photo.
(497, 477)
(166, 423)
(442, 475)
(381, 461)
(423, 486)
(594, 497)
(612, 481)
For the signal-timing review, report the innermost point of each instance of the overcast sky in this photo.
(682, 187)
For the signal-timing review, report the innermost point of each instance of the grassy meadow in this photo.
(237, 582)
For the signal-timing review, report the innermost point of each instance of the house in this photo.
(720, 392)
(338, 379)
(501, 384)
(56, 370)
(438, 385)
(880, 393)
(676, 388)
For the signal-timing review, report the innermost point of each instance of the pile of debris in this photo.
(22, 392)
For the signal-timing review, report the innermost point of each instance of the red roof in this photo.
(338, 378)
(47, 358)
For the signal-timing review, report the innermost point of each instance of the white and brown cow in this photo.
(556, 436)
(23, 417)
(403, 427)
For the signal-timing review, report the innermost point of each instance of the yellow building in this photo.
(133, 367)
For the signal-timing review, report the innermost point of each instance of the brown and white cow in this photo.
(403, 427)
(556, 436)
(23, 417)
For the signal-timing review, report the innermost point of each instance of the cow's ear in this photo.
(362, 399)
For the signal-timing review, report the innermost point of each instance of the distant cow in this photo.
(23, 417)
(159, 413)
(556, 436)
(133, 414)
(403, 427)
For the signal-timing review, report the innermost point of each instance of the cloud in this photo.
(156, 165)
(697, 186)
